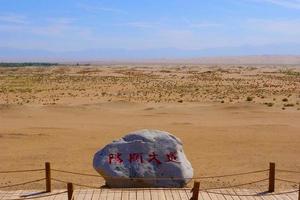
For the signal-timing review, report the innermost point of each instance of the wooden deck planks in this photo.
(221, 196)
(140, 194)
(125, 194)
(132, 194)
(205, 195)
(149, 194)
(247, 192)
(80, 195)
(117, 194)
(103, 194)
(175, 194)
(294, 195)
(96, 194)
(161, 194)
(110, 194)
(183, 195)
(63, 196)
(212, 196)
(226, 197)
(12, 194)
(168, 195)
(154, 195)
(5, 195)
(233, 194)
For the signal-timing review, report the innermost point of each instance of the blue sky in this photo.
(76, 25)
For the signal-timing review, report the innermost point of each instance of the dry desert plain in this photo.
(230, 118)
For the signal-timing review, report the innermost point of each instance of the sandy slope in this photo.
(218, 139)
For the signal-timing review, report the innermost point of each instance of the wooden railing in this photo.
(194, 190)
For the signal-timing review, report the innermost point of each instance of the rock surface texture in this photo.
(145, 158)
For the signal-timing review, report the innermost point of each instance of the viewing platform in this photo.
(149, 194)
(261, 189)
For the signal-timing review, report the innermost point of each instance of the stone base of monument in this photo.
(145, 158)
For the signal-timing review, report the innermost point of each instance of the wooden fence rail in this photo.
(195, 190)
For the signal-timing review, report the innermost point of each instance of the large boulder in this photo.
(145, 158)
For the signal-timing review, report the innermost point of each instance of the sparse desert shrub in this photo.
(269, 104)
(165, 71)
(285, 99)
(290, 72)
(180, 101)
(289, 105)
(249, 98)
(222, 101)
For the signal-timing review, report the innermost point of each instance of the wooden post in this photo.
(70, 191)
(299, 192)
(48, 176)
(272, 177)
(195, 190)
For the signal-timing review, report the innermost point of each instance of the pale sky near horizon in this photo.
(71, 25)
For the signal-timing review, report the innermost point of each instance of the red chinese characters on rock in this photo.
(115, 157)
(153, 157)
(172, 157)
(138, 158)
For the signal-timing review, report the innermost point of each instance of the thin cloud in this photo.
(99, 8)
(160, 25)
(10, 28)
(204, 25)
(140, 24)
(288, 27)
(201, 24)
(61, 20)
(13, 18)
(294, 4)
(51, 27)
(61, 27)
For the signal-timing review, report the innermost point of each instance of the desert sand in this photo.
(230, 118)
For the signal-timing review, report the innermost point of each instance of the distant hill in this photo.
(258, 59)
(236, 60)
(267, 54)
